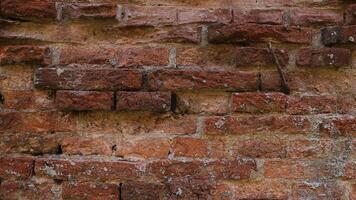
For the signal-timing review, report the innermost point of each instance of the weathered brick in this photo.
(265, 189)
(353, 192)
(251, 57)
(318, 190)
(148, 15)
(118, 57)
(143, 148)
(189, 188)
(27, 99)
(22, 54)
(35, 122)
(229, 125)
(28, 190)
(309, 17)
(84, 100)
(346, 104)
(337, 57)
(90, 190)
(342, 125)
(258, 102)
(177, 34)
(136, 190)
(203, 102)
(126, 123)
(29, 143)
(299, 169)
(87, 79)
(338, 35)
(89, 11)
(211, 15)
(298, 105)
(220, 169)
(235, 33)
(259, 16)
(311, 148)
(16, 167)
(350, 171)
(271, 81)
(87, 145)
(207, 57)
(195, 80)
(262, 147)
(350, 14)
(86, 169)
(151, 101)
(190, 147)
(31, 9)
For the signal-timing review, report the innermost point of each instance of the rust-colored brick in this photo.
(177, 99)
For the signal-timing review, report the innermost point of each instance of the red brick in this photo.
(22, 54)
(353, 192)
(241, 168)
(195, 80)
(311, 148)
(151, 101)
(135, 190)
(229, 125)
(271, 81)
(350, 171)
(177, 34)
(317, 190)
(29, 143)
(258, 102)
(259, 16)
(342, 125)
(350, 14)
(260, 148)
(222, 192)
(210, 102)
(337, 57)
(99, 191)
(89, 10)
(235, 33)
(214, 57)
(190, 147)
(220, 169)
(27, 99)
(29, 190)
(298, 105)
(35, 122)
(211, 15)
(16, 167)
(251, 56)
(346, 104)
(118, 57)
(299, 169)
(84, 100)
(265, 189)
(338, 35)
(34, 8)
(126, 123)
(309, 17)
(87, 79)
(86, 169)
(189, 188)
(145, 148)
(148, 15)
(87, 145)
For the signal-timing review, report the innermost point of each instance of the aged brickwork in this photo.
(178, 99)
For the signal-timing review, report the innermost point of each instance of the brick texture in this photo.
(177, 99)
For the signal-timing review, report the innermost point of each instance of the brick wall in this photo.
(178, 99)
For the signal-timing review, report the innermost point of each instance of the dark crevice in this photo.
(114, 148)
(59, 150)
(120, 191)
(33, 173)
(173, 102)
(259, 81)
(145, 81)
(114, 102)
(58, 181)
(2, 99)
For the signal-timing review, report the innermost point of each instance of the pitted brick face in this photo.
(177, 99)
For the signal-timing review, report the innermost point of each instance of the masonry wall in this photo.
(178, 99)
